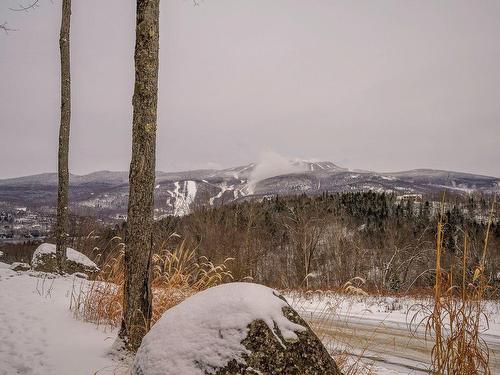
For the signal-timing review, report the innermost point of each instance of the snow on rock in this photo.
(44, 259)
(219, 329)
(18, 266)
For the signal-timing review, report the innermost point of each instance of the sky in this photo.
(383, 85)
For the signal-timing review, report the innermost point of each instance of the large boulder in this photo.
(44, 260)
(237, 328)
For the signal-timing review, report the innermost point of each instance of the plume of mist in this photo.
(272, 164)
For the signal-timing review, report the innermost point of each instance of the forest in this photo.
(322, 242)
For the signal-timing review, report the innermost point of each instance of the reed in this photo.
(456, 321)
(177, 274)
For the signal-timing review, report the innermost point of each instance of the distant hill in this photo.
(106, 193)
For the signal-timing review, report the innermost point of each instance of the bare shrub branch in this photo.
(24, 8)
(5, 28)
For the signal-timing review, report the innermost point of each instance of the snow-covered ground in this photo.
(38, 334)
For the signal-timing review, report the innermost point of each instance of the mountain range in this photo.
(105, 193)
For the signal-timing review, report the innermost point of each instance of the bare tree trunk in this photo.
(137, 294)
(63, 169)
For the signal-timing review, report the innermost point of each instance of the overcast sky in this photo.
(381, 85)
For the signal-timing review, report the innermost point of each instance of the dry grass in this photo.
(348, 350)
(457, 317)
(180, 274)
(177, 275)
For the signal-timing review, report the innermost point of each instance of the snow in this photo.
(205, 331)
(72, 254)
(184, 197)
(223, 188)
(388, 178)
(39, 335)
(381, 309)
(453, 186)
(15, 265)
(371, 325)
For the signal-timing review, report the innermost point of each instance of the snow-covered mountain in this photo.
(177, 193)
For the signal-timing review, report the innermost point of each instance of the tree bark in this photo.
(63, 169)
(137, 292)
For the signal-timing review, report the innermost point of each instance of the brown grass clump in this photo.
(177, 275)
(180, 274)
(457, 317)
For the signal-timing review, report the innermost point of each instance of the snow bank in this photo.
(205, 331)
(47, 249)
(39, 335)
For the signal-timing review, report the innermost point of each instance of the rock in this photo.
(80, 275)
(18, 266)
(237, 328)
(44, 260)
(306, 356)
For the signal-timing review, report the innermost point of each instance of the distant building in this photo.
(409, 197)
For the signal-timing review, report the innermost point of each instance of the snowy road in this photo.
(392, 347)
(376, 329)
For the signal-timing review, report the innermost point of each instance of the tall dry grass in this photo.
(457, 318)
(177, 274)
(347, 349)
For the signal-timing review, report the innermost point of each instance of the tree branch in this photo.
(4, 27)
(25, 8)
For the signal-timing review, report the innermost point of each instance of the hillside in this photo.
(105, 193)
